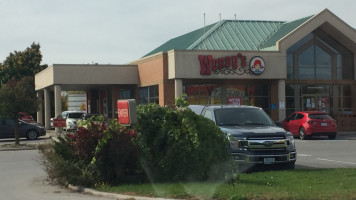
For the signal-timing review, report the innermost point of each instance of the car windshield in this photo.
(319, 116)
(242, 117)
(74, 115)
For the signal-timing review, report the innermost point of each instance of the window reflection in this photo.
(318, 56)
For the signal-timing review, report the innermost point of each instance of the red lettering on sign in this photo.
(208, 64)
(227, 62)
(215, 64)
(205, 63)
(234, 62)
(123, 112)
(221, 63)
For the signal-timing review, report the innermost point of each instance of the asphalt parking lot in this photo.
(320, 152)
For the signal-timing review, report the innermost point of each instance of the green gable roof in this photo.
(233, 35)
(282, 31)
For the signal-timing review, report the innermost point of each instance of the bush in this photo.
(117, 160)
(96, 153)
(172, 144)
(179, 145)
(61, 165)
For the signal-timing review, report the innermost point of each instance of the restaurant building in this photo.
(282, 67)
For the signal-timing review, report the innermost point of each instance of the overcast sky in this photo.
(121, 31)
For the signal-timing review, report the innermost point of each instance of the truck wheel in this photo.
(302, 135)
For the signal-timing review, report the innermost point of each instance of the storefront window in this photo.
(126, 93)
(290, 70)
(319, 57)
(290, 100)
(149, 95)
(315, 89)
(333, 99)
(256, 95)
(345, 99)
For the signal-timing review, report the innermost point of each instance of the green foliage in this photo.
(21, 63)
(17, 96)
(179, 145)
(60, 163)
(95, 153)
(171, 144)
(181, 101)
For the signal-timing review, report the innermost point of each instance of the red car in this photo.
(310, 123)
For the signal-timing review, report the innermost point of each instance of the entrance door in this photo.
(316, 103)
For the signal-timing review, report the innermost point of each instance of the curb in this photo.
(114, 195)
(4, 148)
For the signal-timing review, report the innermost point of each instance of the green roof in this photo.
(233, 35)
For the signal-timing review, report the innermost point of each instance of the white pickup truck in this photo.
(254, 137)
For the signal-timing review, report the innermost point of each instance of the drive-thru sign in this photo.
(126, 110)
(59, 121)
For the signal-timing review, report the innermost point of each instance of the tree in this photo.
(18, 96)
(21, 63)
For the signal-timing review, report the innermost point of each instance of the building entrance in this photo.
(316, 103)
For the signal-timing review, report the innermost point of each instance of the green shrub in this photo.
(172, 144)
(61, 165)
(117, 160)
(95, 153)
(179, 145)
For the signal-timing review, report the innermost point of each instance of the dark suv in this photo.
(254, 137)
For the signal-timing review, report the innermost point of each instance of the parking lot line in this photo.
(336, 161)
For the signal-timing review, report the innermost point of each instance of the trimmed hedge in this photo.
(167, 144)
(178, 145)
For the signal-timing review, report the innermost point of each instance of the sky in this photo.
(122, 31)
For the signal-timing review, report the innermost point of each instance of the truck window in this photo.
(208, 114)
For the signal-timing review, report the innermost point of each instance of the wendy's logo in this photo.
(257, 65)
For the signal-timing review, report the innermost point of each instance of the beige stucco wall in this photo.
(62, 74)
(186, 65)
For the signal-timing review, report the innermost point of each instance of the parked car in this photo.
(305, 124)
(254, 138)
(29, 130)
(71, 120)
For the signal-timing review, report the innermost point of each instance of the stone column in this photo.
(47, 109)
(57, 103)
(40, 107)
(281, 99)
(178, 88)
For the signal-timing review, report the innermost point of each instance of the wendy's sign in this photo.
(236, 64)
(257, 65)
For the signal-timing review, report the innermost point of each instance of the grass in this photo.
(293, 184)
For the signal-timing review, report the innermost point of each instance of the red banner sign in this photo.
(59, 122)
(123, 112)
